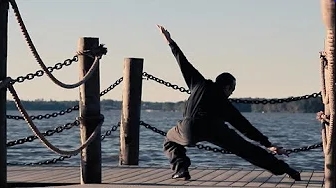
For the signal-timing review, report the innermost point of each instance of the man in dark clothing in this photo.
(207, 108)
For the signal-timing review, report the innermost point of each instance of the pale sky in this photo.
(271, 47)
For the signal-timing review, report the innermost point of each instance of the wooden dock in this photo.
(134, 176)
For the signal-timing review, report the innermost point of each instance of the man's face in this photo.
(228, 90)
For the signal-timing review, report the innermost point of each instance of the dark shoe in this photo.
(181, 175)
(294, 175)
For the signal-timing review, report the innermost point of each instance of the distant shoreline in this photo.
(310, 105)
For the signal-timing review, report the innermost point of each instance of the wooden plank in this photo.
(58, 175)
(274, 180)
(142, 175)
(200, 177)
(112, 172)
(156, 174)
(129, 174)
(224, 176)
(193, 172)
(29, 176)
(246, 175)
(233, 178)
(214, 175)
(259, 180)
(305, 177)
(316, 179)
(251, 176)
(161, 177)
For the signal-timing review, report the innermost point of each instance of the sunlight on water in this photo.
(288, 130)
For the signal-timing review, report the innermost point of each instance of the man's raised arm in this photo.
(191, 75)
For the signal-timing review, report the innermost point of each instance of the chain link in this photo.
(66, 111)
(235, 100)
(275, 101)
(115, 84)
(49, 161)
(62, 158)
(288, 151)
(46, 133)
(306, 148)
(154, 129)
(223, 151)
(40, 73)
(168, 84)
(46, 116)
(109, 132)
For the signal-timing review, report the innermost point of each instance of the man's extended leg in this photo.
(178, 159)
(227, 138)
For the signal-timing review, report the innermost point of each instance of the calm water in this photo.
(287, 130)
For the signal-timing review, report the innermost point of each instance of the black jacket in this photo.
(207, 100)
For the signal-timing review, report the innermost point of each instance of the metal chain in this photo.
(275, 101)
(235, 100)
(305, 148)
(181, 89)
(288, 151)
(46, 116)
(109, 132)
(115, 84)
(46, 133)
(62, 158)
(49, 161)
(223, 151)
(154, 129)
(168, 84)
(40, 73)
(66, 111)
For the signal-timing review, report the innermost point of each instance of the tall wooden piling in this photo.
(4, 5)
(131, 110)
(89, 111)
(328, 17)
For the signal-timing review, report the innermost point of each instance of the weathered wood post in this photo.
(4, 5)
(131, 110)
(329, 133)
(89, 111)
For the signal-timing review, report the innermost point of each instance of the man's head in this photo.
(227, 82)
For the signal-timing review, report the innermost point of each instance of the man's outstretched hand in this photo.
(165, 33)
(278, 150)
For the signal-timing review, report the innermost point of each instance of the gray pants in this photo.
(221, 135)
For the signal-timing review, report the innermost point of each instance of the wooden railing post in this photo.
(89, 112)
(131, 110)
(4, 5)
(328, 18)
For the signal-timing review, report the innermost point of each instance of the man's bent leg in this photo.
(230, 140)
(176, 154)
